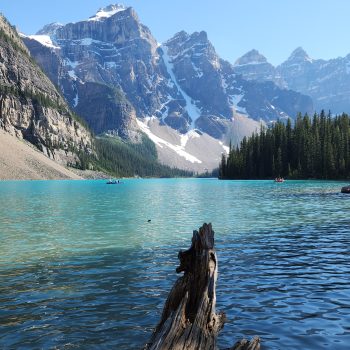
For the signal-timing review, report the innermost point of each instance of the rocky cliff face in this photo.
(216, 93)
(183, 82)
(192, 62)
(30, 105)
(106, 109)
(253, 66)
(326, 82)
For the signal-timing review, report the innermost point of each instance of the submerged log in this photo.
(189, 320)
(345, 189)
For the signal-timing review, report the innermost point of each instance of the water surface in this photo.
(82, 268)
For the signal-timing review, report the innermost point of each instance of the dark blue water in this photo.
(81, 268)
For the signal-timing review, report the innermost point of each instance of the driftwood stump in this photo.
(189, 320)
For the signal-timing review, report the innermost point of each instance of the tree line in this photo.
(122, 158)
(315, 147)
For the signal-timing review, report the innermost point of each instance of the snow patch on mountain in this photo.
(253, 63)
(226, 148)
(76, 100)
(44, 40)
(199, 72)
(164, 108)
(72, 74)
(186, 137)
(110, 65)
(235, 100)
(69, 63)
(179, 149)
(191, 108)
(107, 12)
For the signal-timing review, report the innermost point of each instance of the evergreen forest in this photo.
(122, 158)
(315, 147)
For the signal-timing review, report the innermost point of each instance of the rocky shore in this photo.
(19, 160)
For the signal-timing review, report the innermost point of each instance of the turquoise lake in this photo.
(82, 268)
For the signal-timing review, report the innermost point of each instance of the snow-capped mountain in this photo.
(114, 74)
(216, 93)
(326, 82)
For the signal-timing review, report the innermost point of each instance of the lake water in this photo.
(81, 268)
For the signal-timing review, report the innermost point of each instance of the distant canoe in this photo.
(113, 182)
(345, 189)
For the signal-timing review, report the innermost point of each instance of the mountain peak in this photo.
(107, 12)
(201, 36)
(251, 57)
(299, 55)
(183, 35)
(49, 29)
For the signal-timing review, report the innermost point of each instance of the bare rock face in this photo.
(106, 109)
(50, 29)
(253, 66)
(196, 67)
(30, 105)
(295, 69)
(46, 58)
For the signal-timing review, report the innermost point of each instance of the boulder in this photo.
(345, 189)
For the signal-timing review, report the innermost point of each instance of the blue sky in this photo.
(274, 27)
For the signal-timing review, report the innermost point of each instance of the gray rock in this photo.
(345, 189)
(254, 66)
(31, 107)
(50, 29)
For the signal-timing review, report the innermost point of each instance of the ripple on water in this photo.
(80, 266)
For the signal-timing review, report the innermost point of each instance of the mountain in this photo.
(326, 82)
(254, 66)
(216, 93)
(113, 73)
(32, 108)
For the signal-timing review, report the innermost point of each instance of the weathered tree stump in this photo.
(345, 189)
(189, 320)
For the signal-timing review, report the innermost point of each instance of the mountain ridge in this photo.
(325, 81)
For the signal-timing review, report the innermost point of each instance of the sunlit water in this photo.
(82, 268)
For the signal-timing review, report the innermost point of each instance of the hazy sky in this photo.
(274, 27)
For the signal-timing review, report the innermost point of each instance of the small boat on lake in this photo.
(113, 182)
(279, 179)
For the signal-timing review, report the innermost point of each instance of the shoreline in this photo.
(21, 161)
